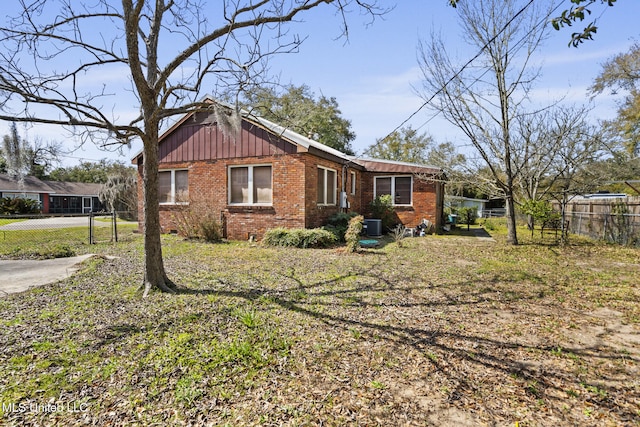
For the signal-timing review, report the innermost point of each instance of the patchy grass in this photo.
(5, 221)
(56, 242)
(445, 329)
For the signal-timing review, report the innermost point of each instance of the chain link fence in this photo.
(19, 233)
(613, 220)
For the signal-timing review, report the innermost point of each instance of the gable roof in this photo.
(392, 166)
(74, 188)
(27, 184)
(31, 184)
(309, 145)
(286, 134)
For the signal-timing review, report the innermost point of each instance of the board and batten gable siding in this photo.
(200, 139)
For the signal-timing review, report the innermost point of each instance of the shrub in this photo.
(489, 225)
(197, 220)
(338, 224)
(468, 215)
(299, 237)
(382, 208)
(18, 205)
(398, 234)
(352, 235)
(538, 211)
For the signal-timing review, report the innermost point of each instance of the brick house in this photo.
(267, 176)
(53, 196)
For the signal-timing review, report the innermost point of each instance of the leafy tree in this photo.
(13, 150)
(92, 172)
(48, 47)
(298, 109)
(622, 72)
(20, 157)
(578, 13)
(538, 211)
(404, 145)
(485, 108)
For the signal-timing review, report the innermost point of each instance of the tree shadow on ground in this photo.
(542, 373)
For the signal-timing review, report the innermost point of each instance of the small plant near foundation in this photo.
(382, 208)
(352, 236)
(339, 223)
(299, 237)
(398, 234)
(196, 219)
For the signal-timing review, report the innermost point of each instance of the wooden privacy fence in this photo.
(612, 219)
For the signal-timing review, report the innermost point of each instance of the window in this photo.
(353, 183)
(398, 186)
(327, 186)
(173, 186)
(250, 185)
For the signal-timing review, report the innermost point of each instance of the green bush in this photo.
(382, 208)
(352, 235)
(468, 215)
(18, 205)
(299, 237)
(338, 224)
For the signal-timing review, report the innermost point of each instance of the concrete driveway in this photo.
(20, 275)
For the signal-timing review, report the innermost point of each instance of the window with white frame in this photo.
(327, 186)
(173, 186)
(353, 183)
(250, 185)
(399, 187)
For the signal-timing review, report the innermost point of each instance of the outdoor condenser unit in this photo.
(374, 227)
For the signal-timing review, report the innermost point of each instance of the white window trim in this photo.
(353, 183)
(324, 187)
(393, 188)
(250, 184)
(173, 186)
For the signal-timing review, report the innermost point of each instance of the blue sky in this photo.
(373, 73)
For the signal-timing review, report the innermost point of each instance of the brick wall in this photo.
(317, 215)
(424, 200)
(294, 183)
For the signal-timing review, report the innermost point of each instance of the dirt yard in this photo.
(445, 331)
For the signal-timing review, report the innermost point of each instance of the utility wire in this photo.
(541, 23)
(464, 67)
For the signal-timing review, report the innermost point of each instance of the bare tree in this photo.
(546, 142)
(171, 52)
(484, 98)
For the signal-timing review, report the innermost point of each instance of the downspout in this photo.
(343, 187)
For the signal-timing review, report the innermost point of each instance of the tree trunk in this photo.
(512, 237)
(154, 273)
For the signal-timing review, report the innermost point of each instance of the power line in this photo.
(464, 67)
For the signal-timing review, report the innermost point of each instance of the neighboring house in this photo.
(268, 176)
(53, 196)
(466, 202)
